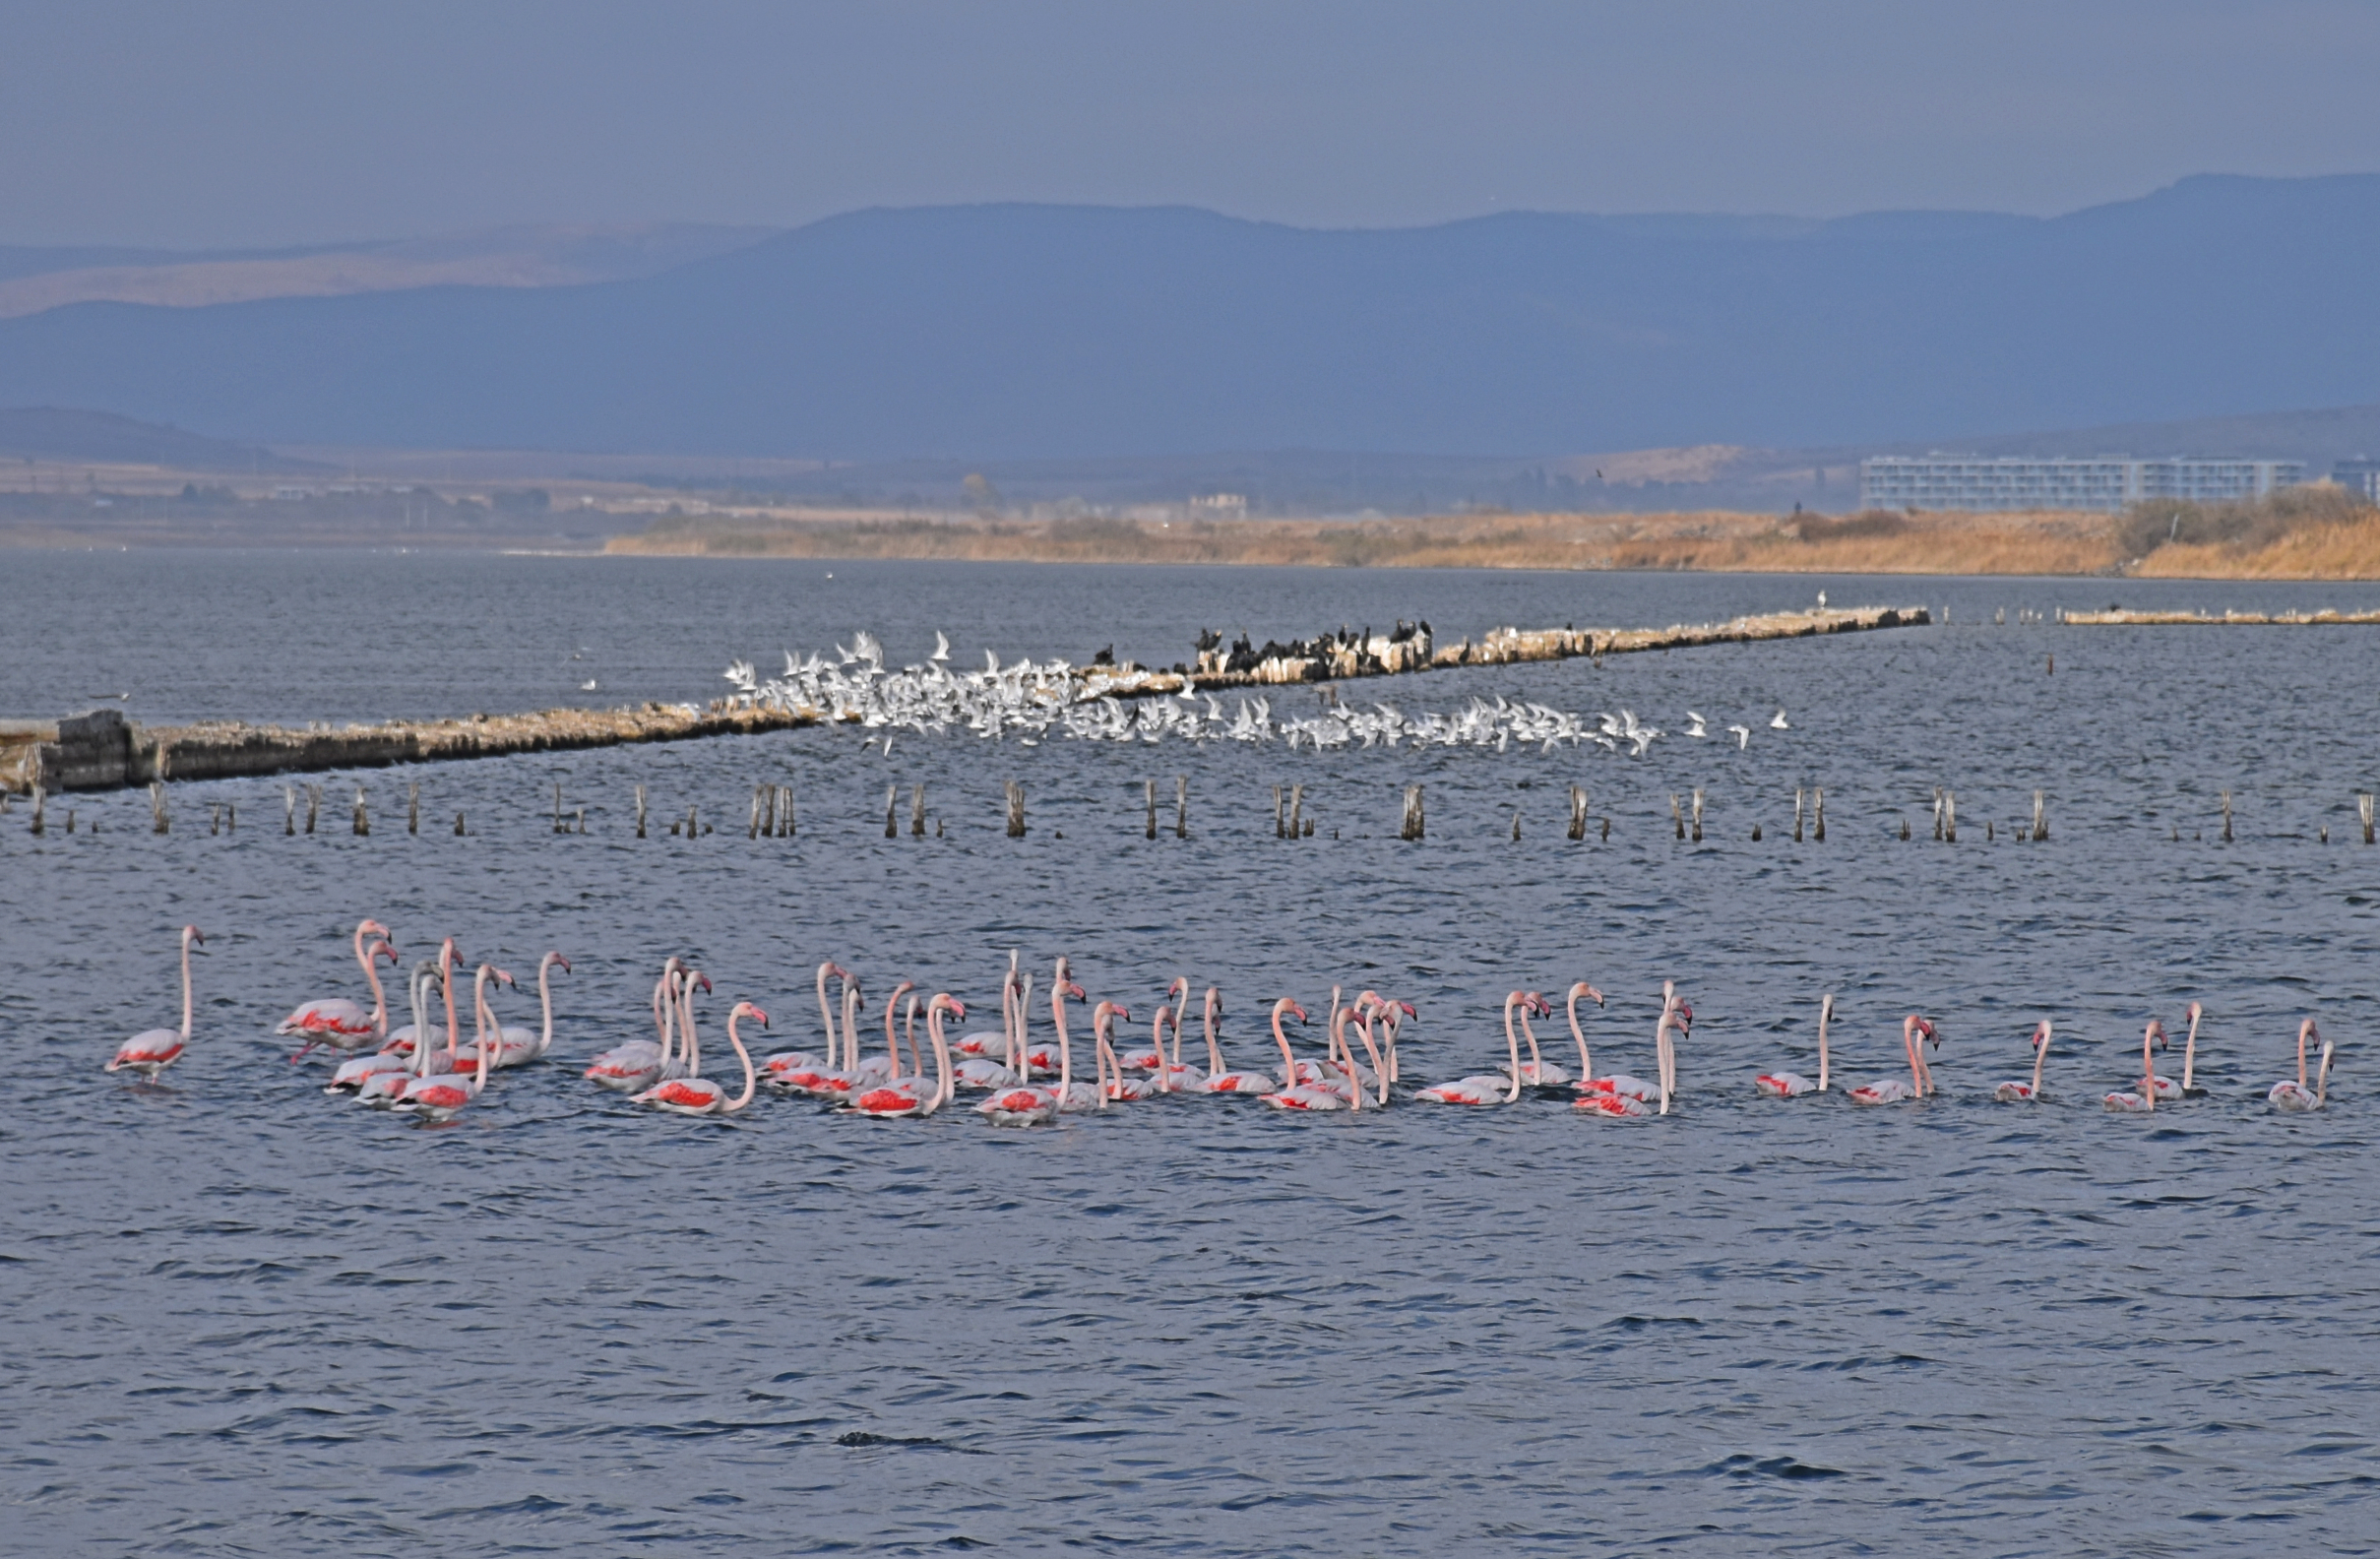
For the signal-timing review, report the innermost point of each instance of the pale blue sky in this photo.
(242, 123)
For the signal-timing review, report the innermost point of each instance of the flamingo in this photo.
(701, 1095)
(1621, 1104)
(336, 1022)
(1027, 1103)
(1892, 1091)
(1075, 1095)
(1486, 1089)
(1219, 1080)
(2021, 1092)
(836, 1083)
(1390, 1016)
(354, 1072)
(441, 1095)
(1676, 1015)
(401, 1042)
(2189, 1090)
(916, 1095)
(1295, 1094)
(518, 1047)
(1170, 1008)
(1171, 1076)
(635, 1066)
(777, 1069)
(1122, 1088)
(1539, 1072)
(384, 1089)
(154, 1050)
(2152, 1039)
(2289, 1096)
(1579, 990)
(1793, 1084)
(985, 1042)
(977, 1073)
(1042, 1060)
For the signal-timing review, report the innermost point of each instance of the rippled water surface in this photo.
(242, 1318)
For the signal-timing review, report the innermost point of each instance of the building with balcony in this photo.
(2102, 483)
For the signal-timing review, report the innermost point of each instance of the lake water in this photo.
(242, 1318)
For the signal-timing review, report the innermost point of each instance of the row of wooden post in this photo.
(771, 815)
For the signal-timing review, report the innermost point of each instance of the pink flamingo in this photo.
(383, 1088)
(336, 1022)
(2189, 1090)
(2018, 1092)
(1170, 1008)
(1538, 1072)
(1544, 1074)
(1620, 1102)
(915, 1096)
(517, 1046)
(2295, 1095)
(1892, 1091)
(355, 1070)
(1027, 1103)
(1793, 1084)
(2152, 1039)
(1171, 1076)
(1294, 1094)
(990, 1042)
(1218, 1079)
(403, 1041)
(1118, 1086)
(635, 1066)
(154, 1050)
(1677, 1016)
(977, 1073)
(776, 1070)
(1390, 1016)
(1488, 1090)
(441, 1095)
(702, 1096)
(1075, 1095)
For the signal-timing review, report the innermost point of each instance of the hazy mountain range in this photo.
(1027, 333)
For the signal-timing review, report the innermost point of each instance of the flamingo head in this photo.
(1582, 989)
(698, 979)
(2041, 1033)
(379, 947)
(747, 1010)
(556, 957)
(1288, 1007)
(1923, 1029)
(949, 1004)
(1536, 1005)
(370, 927)
(2155, 1035)
(1073, 992)
(2194, 1012)
(1682, 1014)
(501, 976)
(194, 939)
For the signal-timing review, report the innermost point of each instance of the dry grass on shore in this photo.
(2326, 539)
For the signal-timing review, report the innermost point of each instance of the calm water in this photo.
(241, 1318)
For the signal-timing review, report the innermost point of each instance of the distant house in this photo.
(292, 494)
(1220, 506)
(2105, 483)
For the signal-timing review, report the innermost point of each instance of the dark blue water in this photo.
(236, 1317)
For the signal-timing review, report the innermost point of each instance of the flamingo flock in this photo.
(428, 1070)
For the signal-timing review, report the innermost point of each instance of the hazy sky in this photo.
(237, 123)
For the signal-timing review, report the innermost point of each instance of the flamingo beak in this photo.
(762, 1016)
(957, 1008)
(1596, 995)
(565, 962)
(705, 982)
(1300, 1012)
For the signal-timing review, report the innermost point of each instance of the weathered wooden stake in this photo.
(1016, 810)
(752, 821)
(363, 824)
(1280, 827)
(313, 806)
(581, 820)
(917, 810)
(639, 811)
(1414, 822)
(1988, 836)
(1905, 825)
(459, 829)
(1818, 811)
(1149, 794)
(2040, 819)
(1607, 830)
(1676, 817)
(2226, 817)
(1181, 806)
(1698, 817)
(156, 808)
(288, 809)
(230, 818)
(1297, 804)
(1578, 812)
(1796, 814)
(1515, 824)
(891, 801)
(215, 819)
(70, 820)
(2364, 807)
(1755, 832)
(557, 828)
(1937, 814)
(693, 822)
(1950, 817)
(784, 811)
(412, 807)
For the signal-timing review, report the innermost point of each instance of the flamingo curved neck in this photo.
(826, 1011)
(546, 1000)
(2190, 1047)
(1057, 1018)
(751, 1079)
(2040, 1054)
(1512, 1043)
(187, 999)
(1215, 1048)
(1826, 1010)
(1289, 1060)
(1586, 1067)
(1536, 1057)
(944, 1086)
(380, 1000)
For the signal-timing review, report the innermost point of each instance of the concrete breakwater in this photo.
(1383, 657)
(2231, 619)
(104, 751)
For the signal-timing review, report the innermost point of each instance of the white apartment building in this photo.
(2000, 483)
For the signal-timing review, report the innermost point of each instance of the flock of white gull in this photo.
(428, 1069)
(1038, 701)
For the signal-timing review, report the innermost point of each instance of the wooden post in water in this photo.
(70, 820)
(752, 823)
(1797, 814)
(2364, 808)
(1181, 806)
(1698, 817)
(230, 818)
(1016, 810)
(892, 803)
(1280, 827)
(557, 828)
(1937, 814)
(1578, 812)
(767, 810)
(1414, 822)
(313, 805)
(917, 810)
(581, 820)
(1515, 824)
(639, 811)
(41, 811)
(363, 824)
(158, 821)
(288, 809)
(693, 822)
(1676, 817)
(2226, 817)
(215, 819)
(784, 811)
(1297, 804)
(1149, 794)
(1818, 811)
(412, 807)
(1950, 817)
(2040, 819)
(459, 825)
